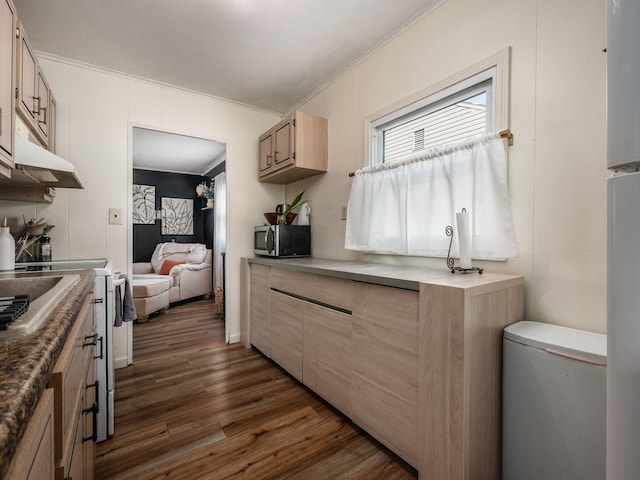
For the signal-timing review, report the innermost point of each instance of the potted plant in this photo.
(282, 219)
(207, 192)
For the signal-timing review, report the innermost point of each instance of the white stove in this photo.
(104, 311)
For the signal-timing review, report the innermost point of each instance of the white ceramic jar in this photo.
(7, 249)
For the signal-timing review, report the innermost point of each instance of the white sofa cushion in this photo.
(189, 253)
(149, 287)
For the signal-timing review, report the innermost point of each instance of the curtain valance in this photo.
(403, 207)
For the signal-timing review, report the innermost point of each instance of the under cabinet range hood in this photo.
(36, 166)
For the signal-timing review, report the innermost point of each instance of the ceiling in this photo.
(270, 54)
(169, 152)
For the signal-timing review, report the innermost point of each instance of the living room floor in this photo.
(192, 407)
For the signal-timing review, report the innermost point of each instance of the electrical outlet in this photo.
(115, 216)
(344, 213)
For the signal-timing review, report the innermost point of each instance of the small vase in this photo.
(209, 202)
(282, 220)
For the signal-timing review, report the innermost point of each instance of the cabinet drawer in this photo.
(335, 292)
(68, 378)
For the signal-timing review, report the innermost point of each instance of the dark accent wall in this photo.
(215, 171)
(174, 185)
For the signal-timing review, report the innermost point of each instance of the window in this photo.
(470, 103)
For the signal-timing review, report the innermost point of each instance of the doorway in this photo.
(171, 168)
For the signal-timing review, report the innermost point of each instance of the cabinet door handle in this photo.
(95, 385)
(44, 122)
(93, 342)
(37, 110)
(93, 409)
(268, 160)
(101, 340)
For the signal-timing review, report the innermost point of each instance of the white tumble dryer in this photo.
(554, 403)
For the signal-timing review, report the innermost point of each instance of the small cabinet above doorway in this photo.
(294, 149)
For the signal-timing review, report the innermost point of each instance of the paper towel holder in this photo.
(451, 262)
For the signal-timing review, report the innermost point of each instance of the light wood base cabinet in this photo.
(385, 366)
(73, 383)
(420, 370)
(460, 374)
(34, 458)
(326, 355)
(286, 333)
(59, 440)
(259, 309)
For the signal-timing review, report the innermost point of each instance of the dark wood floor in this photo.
(192, 407)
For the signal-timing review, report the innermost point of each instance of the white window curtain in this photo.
(404, 207)
(219, 237)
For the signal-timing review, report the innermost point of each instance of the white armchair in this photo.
(186, 265)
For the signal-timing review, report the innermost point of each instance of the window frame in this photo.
(494, 69)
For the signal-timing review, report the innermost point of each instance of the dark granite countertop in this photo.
(27, 362)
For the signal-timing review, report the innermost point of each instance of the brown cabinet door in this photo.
(326, 355)
(266, 152)
(27, 86)
(385, 366)
(259, 313)
(89, 446)
(283, 147)
(42, 107)
(7, 82)
(286, 333)
(34, 457)
(51, 120)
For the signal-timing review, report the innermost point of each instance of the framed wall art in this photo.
(143, 200)
(177, 216)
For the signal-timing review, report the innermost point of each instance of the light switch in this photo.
(115, 216)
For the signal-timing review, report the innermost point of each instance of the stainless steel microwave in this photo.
(282, 240)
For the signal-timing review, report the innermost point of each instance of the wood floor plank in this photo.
(194, 408)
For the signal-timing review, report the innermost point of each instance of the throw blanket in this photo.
(170, 248)
(125, 309)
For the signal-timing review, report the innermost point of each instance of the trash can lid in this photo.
(577, 344)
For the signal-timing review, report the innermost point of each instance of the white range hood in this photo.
(36, 166)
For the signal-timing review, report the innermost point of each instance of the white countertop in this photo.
(406, 277)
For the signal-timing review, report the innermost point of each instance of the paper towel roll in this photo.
(463, 219)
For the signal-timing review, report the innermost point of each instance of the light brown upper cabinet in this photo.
(51, 122)
(7, 85)
(33, 90)
(295, 148)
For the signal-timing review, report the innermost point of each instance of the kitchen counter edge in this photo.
(397, 276)
(26, 364)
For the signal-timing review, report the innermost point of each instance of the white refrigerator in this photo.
(623, 240)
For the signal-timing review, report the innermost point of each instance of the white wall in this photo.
(95, 112)
(557, 165)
